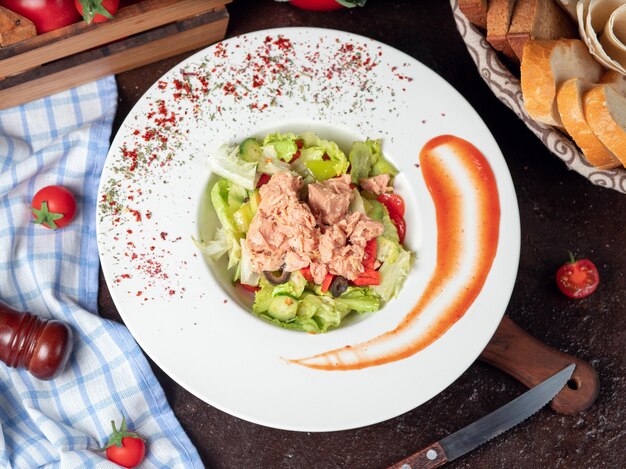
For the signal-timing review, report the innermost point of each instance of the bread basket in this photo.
(506, 87)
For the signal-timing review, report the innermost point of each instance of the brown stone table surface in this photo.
(560, 211)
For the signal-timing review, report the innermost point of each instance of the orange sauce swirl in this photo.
(438, 160)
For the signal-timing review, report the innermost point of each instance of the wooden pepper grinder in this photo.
(26, 341)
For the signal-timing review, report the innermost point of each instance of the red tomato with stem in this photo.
(96, 11)
(46, 15)
(577, 278)
(124, 447)
(54, 207)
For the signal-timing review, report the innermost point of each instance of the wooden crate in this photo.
(139, 34)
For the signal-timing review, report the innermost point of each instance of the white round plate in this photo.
(184, 312)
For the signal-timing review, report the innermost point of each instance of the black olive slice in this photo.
(277, 277)
(338, 286)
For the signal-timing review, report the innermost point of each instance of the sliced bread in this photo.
(475, 11)
(545, 65)
(569, 100)
(615, 79)
(498, 21)
(605, 111)
(538, 19)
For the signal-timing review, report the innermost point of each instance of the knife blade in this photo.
(491, 425)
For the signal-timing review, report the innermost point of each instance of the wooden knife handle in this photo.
(530, 361)
(428, 458)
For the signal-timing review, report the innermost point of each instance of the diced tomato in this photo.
(400, 225)
(393, 202)
(263, 180)
(299, 143)
(369, 259)
(306, 273)
(369, 277)
(250, 288)
(295, 156)
(325, 157)
(327, 281)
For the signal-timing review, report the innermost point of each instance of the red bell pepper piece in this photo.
(250, 288)
(369, 259)
(263, 180)
(369, 277)
(295, 156)
(306, 273)
(327, 281)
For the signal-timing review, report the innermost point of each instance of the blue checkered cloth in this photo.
(63, 139)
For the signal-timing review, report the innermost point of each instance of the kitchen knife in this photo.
(489, 426)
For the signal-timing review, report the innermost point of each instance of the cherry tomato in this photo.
(54, 207)
(96, 11)
(400, 225)
(393, 202)
(124, 447)
(316, 5)
(46, 15)
(578, 278)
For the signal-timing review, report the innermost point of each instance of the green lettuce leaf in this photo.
(263, 297)
(227, 163)
(387, 250)
(226, 197)
(362, 161)
(247, 275)
(224, 203)
(293, 288)
(310, 139)
(377, 211)
(356, 203)
(217, 247)
(381, 164)
(359, 299)
(284, 144)
(296, 324)
(392, 276)
(322, 310)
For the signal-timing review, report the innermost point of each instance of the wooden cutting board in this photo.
(530, 361)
